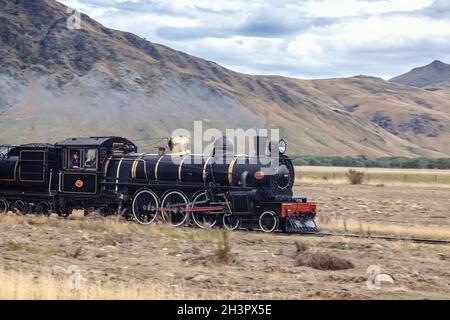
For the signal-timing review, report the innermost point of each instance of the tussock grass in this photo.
(313, 258)
(322, 261)
(114, 226)
(376, 176)
(46, 286)
(19, 246)
(224, 246)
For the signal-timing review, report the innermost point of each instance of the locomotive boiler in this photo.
(219, 189)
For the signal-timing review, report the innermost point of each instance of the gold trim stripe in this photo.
(135, 166)
(133, 169)
(156, 168)
(181, 165)
(105, 173)
(230, 171)
(118, 173)
(204, 169)
(145, 168)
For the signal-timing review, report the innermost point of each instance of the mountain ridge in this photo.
(431, 74)
(56, 82)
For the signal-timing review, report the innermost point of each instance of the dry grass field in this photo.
(374, 176)
(43, 285)
(123, 260)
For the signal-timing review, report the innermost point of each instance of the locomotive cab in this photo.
(84, 160)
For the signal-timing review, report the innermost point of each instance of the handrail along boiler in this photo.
(108, 174)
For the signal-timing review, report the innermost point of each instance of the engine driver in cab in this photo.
(76, 161)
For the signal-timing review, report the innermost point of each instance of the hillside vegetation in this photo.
(363, 161)
(56, 83)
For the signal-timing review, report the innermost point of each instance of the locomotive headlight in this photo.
(282, 146)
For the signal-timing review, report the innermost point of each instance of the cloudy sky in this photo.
(306, 39)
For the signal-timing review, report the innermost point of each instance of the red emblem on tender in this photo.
(259, 175)
(79, 183)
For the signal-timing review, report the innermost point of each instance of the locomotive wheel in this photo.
(204, 220)
(268, 221)
(126, 213)
(65, 212)
(43, 208)
(173, 203)
(231, 222)
(4, 206)
(20, 207)
(144, 204)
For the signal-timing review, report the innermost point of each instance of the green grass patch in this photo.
(18, 246)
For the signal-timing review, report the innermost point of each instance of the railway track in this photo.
(377, 237)
(350, 235)
(355, 235)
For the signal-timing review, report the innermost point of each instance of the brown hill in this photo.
(435, 72)
(56, 82)
(442, 89)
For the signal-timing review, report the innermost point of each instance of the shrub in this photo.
(323, 261)
(224, 246)
(355, 176)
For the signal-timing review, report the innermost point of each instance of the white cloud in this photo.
(142, 22)
(95, 12)
(345, 8)
(315, 38)
(374, 33)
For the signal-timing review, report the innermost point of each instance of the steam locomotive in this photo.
(107, 174)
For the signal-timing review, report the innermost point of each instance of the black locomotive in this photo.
(108, 174)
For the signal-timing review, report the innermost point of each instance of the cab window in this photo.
(90, 161)
(74, 159)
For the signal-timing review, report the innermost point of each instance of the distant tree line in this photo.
(366, 162)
